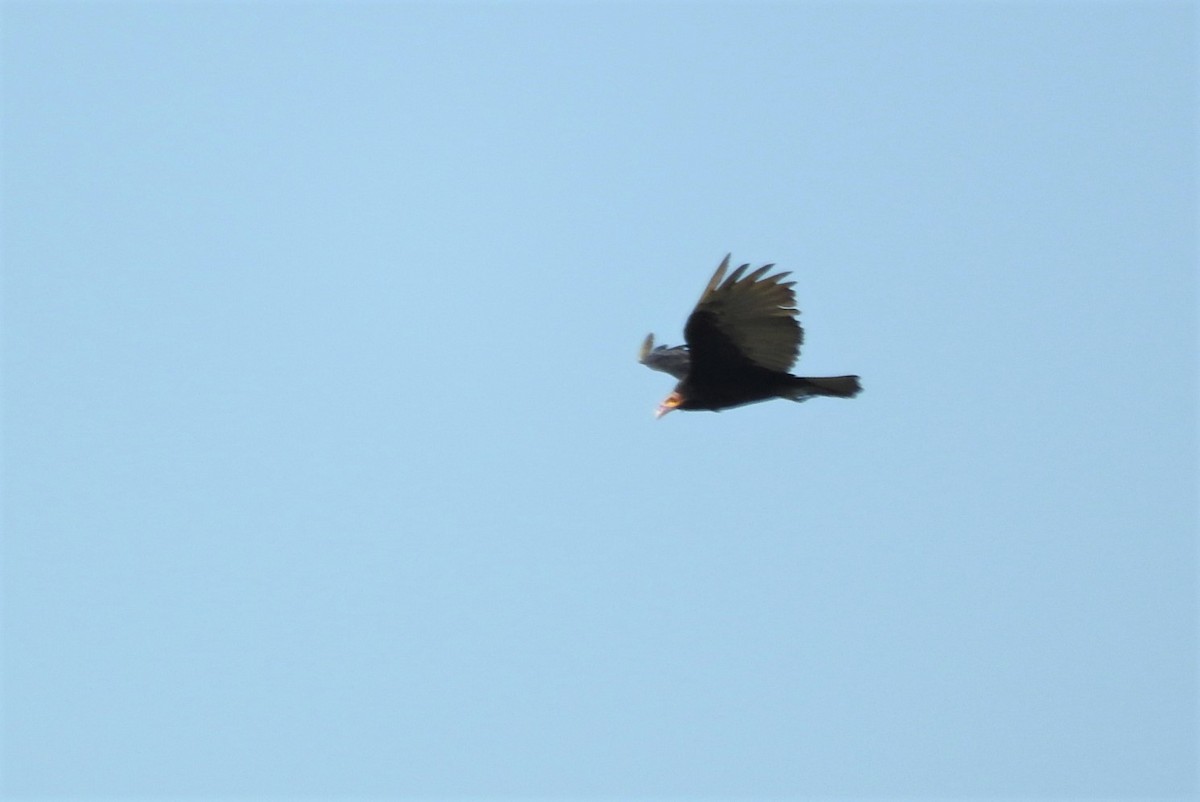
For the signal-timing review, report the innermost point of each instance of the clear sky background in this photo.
(329, 469)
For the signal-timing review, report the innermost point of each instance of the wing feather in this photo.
(669, 359)
(745, 318)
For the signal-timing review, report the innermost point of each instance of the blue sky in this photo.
(329, 469)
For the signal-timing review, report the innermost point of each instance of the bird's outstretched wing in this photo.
(743, 320)
(674, 360)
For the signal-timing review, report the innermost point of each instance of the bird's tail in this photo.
(835, 386)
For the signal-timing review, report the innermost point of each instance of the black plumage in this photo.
(742, 339)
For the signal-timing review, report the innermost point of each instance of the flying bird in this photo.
(742, 339)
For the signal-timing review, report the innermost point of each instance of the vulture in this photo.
(742, 339)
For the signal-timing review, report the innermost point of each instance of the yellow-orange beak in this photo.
(669, 403)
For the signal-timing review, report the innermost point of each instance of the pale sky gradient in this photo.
(329, 470)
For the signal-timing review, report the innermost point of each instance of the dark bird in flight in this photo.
(742, 339)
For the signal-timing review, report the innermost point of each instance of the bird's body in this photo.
(742, 339)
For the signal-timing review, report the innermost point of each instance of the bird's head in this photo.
(669, 403)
